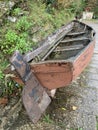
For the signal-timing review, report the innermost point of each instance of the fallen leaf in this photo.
(63, 108)
(74, 108)
(3, 101)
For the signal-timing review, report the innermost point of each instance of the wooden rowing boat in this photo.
(59, 60)
(62, 56)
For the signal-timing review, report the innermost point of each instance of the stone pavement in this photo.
(94, 62)
(92, 75)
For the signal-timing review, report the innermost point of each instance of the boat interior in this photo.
(71, 44)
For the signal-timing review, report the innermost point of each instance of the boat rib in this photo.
(74, 39)
(75, 34)
(69, 48)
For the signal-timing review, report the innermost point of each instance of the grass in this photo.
(97, 126)
(76, 129)
(47, 119)
(62, 125)
(91, 20)
(97, 122)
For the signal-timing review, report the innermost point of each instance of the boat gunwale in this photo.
(85, 48)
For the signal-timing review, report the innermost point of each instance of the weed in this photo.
(16, 11)
(97, 126)
(23, 24)
(6, 86)
(11, 36)
(47, 119)
(11, 87)
(22, 45)
(14, 42)
(1, 75)
(9, 42)
(61, 124)
(97, 122)
(80, 129)
(76, 129)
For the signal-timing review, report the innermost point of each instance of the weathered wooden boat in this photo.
(63, 56)
(59, 60)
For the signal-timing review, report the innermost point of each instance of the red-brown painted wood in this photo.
(53, 75)
(61, 73)
(83, 59)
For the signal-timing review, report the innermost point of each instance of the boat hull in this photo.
(56, 74)
(83, 59)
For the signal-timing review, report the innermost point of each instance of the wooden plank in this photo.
(74, 39)
(69, 48)
(75, 33)
(51, 50)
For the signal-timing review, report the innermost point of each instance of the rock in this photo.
(34, 40)
(12, 19)
(11, 4)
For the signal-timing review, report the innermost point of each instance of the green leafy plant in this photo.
(9, 39)
(96, 12)
(11, 36)
(16, 11)
(2, 88)
(77, 6)
(1, 75)
(9, 42)
(97, 126)
(14, 42)
(9, 88)
(23, 24)
(22, 45)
